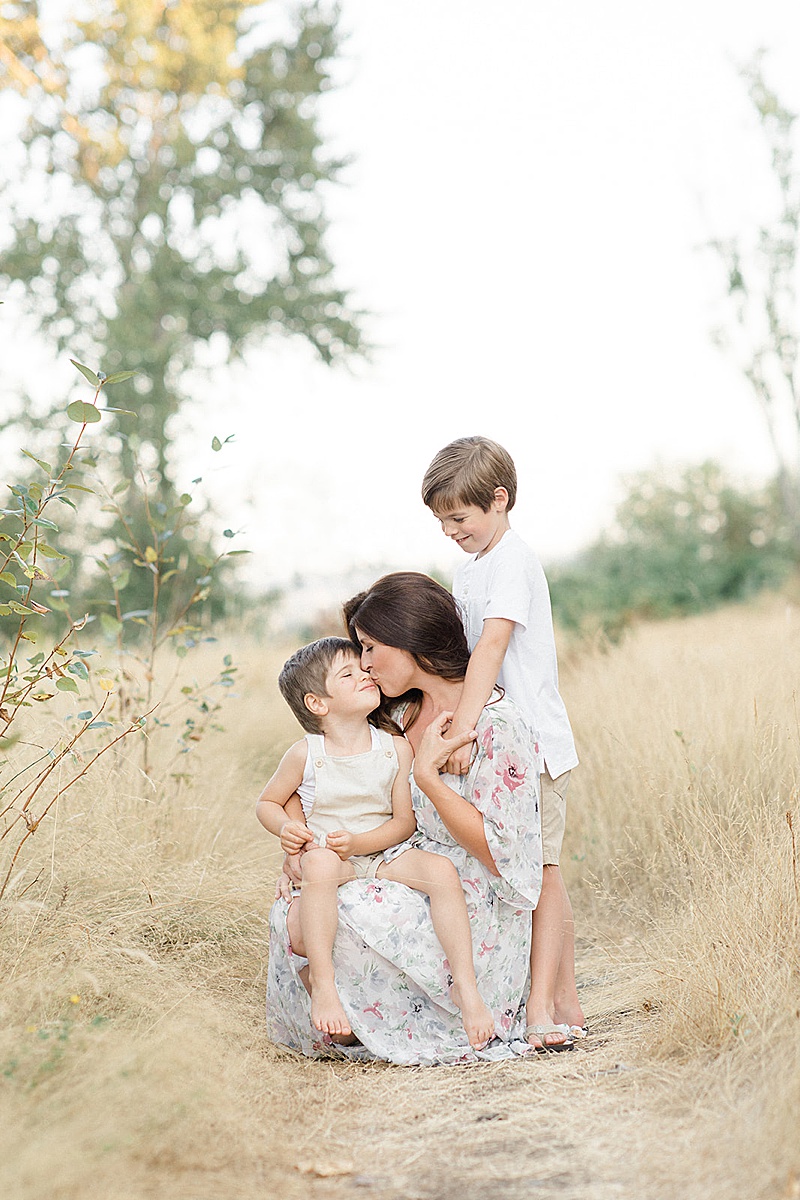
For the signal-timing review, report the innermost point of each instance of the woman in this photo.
(390, 972)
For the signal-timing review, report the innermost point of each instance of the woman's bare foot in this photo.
(476, 1017)
(327, 1014)
(344, 1039)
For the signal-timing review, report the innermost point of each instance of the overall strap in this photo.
(316, 745)
(385, 739)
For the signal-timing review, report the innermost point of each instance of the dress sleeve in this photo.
(503, 784)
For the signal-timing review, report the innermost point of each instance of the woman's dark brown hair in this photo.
(414, 613)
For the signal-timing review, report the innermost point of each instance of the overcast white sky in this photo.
(531, 187)
(532, 184)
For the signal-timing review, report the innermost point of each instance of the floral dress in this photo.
(391, 972)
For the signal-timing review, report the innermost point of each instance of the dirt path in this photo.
(190, 1101)
(594, 1123)
(581, 1125)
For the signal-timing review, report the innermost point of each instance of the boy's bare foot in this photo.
(327, 1014)
(477, 1019)
(573, 1017)
(544, 1034)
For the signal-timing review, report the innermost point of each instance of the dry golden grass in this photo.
(133, 1059)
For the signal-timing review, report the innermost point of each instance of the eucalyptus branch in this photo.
(31, 828)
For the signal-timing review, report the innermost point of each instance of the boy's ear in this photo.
(315, 704)
(500, 499)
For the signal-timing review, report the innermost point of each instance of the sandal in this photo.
(541, 1032)
(578, 1032)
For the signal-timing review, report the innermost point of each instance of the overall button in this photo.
(317, 762)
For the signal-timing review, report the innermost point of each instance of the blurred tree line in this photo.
(172, 196)
(683, 540)
(688, 539)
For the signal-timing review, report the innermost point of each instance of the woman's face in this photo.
(393, 670)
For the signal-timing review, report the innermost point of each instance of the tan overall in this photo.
(352, 793)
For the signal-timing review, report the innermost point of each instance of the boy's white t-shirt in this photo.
(509, 582)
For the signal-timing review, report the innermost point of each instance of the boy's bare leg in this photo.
(567, 1005)
(547, 948)
(435, 875)
(323, 874)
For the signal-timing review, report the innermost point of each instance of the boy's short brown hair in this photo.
(467, 471)
(307, 672)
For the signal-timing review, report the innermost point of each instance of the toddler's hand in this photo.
(341, 842)
(294, 835)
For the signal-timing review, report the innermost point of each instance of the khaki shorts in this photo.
(365, 865)
(554, 816)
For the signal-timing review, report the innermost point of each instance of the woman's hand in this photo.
(290, 877)
(460, 760)
(435, 749)
(463, 821)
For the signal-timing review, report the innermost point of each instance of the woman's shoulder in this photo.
(502, 713)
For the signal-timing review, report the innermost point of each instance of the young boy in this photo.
(353, 783)
(471, 486)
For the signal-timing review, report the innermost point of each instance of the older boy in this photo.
(471, 486)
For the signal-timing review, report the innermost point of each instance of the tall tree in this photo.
(173, 189)
(763, 330)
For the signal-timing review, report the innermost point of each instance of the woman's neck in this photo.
(438, 695)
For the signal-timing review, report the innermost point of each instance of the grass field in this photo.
(133, 1057)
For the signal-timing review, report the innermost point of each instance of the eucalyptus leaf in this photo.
(86, 372)
(45, 466)
(82, 413)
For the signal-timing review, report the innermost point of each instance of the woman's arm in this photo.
(463, 821)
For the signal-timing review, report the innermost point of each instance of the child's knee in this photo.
(321, 864)
(441, 871)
